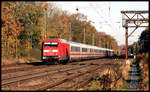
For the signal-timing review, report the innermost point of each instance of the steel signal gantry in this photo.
(133, 19)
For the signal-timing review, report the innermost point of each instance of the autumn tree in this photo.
(107, 41)
(11, 28)
(18, 18)
(77, 24)
(144, 41)
(32, 18)
(53, 19)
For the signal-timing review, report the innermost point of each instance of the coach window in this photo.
(84, 49)
(104, 51)
(101, 51)
(90, 50)
(72, 48)
(75, 49)
(94, 50)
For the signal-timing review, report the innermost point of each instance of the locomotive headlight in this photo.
(54, 50)
(44, 57)
(46, 51)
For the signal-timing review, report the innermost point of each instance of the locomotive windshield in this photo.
(48, 44)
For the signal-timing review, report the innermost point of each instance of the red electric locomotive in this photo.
(55, 50)
(58, 50)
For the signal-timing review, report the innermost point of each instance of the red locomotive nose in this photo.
(50, 49)
(50, 52)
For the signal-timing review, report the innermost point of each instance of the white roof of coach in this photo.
(87, 46)
(78, 44)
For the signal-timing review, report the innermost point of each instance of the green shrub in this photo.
(95, 86)
(125, 86)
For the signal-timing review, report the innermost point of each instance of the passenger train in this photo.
(58, 50)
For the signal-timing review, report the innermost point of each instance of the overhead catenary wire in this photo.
(105, 21)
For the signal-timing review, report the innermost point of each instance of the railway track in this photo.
(12, 65)
(21, 67)
(78, 80)
(31, 75)
(67, 79)
(10, 78)
(75, 82)
(51, 77)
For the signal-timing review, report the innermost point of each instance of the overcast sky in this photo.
(106, 16)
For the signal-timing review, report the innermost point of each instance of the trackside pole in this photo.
(126, 43)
